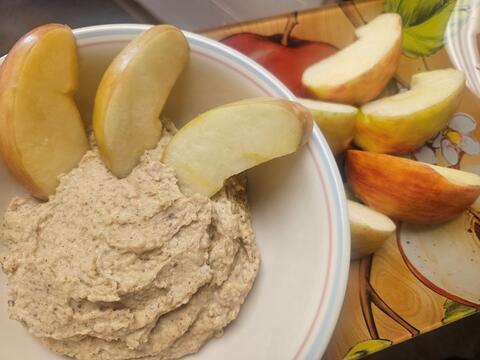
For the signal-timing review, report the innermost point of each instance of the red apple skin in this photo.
(10, 69)
(405, 189)
(287, 63)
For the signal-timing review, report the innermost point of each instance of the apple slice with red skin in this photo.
(284, 56)
(41, 133)
(409, 190)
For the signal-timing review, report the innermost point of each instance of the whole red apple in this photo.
(285, 57)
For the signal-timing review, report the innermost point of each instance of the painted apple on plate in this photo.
(446, 258)
(283, 55)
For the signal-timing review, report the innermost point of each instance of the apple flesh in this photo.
(286, 61)
(402, 123)
(234, 137)
(368, 229)
(359, 72)
(132, 94)
(41, 132)
(408, 190)
(337, 122)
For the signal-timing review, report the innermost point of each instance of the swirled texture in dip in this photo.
(130, 268)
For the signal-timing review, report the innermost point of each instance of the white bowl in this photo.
(297, 202)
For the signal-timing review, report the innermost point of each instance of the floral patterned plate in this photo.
(449, 261)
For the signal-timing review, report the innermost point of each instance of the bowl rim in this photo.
(322, 327)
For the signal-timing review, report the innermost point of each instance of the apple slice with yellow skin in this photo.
(408, 190)
(403, 122)
(41, 132)
(337, 122)
(234, 137)
(359, 72)
(368, 229)
(132, 94)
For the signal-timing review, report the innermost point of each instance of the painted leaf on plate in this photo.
(367, 347)
(456, 311)
(424, 24)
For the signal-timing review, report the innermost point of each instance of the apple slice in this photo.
(368, 229)
(234, 137)
(359, 72)
(403, 122)
(408, 190)
(41, 132)
(132, 94)
(337, 122)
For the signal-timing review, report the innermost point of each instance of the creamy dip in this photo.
(129, 268)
